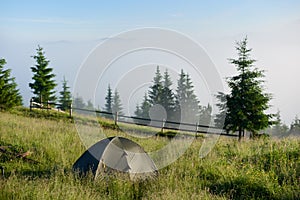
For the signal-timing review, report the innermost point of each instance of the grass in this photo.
(253, 169)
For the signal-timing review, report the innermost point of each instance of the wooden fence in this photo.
(162, 124)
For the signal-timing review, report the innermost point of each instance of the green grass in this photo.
(254, 169)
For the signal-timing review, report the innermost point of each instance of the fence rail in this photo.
(155, 123)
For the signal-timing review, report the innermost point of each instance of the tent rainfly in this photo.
(116, 154)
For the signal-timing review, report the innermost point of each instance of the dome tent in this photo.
(116, 154)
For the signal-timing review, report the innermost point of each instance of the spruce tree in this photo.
(143, 111)
(247, 102)
(191, 107)
(9, 94)
(109, 99)
(279, 129)
(138, 111)
(222, 105)
(187, 106)
(65, 99)
(90, 105)
(145, 107)
(167, 99)
(295, 127)
(180, 96)
(205, 115)
(78, 103)
(155, 92)
(109, 102)
(116, 104)
(43, 84)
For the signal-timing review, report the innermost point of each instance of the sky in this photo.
(69, 30)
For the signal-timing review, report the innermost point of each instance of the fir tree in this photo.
(279, 129)
(78, 103)
(246, 103)
(222, 105)
(9, 94)
(43, 84)
(205, 115)
(191, 106)
(187, 105)
(109, 99)
(143, 111)
(116, 104)
(109, 102)
(138, 111)
(180, 96)
(295, 127)
(145, 107)
(65, 99)
(89, 105)
(167, 98)
(155, 92)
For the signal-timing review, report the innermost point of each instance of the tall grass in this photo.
(254, 169)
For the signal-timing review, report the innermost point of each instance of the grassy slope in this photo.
(262, 169)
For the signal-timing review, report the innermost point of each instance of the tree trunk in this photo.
(240, 134)
(41, 100)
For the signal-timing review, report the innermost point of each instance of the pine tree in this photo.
(246, 103)
(180, 96)
(9, 94)
(109, 99)
(65, 99)
(143, 111)
(43, 84)
(222, 105)
(187, 106)
(295, 127)
(167, 99)
(89, 105)
(191, 108)
(116, 104)
(145, 107)
(109, 102)
(279, 129)
(138, 111)
(155, 93)
(205, 115)
(79, 103)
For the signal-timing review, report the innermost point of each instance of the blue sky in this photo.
(69, 30)
(84, 19)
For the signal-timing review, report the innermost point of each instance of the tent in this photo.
(116, 154)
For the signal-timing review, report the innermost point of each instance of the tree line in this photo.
(242, 109)
(43, 85)
(181, 105)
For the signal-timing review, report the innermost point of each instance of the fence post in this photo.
(47, 105)
(30, 104)
(70, 110)
(163, 125)
(116, 118)
(196, 129)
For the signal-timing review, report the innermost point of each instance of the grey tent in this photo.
(116, 154)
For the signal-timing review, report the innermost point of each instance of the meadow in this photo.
(252, 169)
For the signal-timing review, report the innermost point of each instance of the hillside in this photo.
(258, 169)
